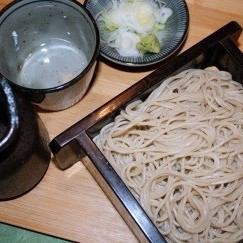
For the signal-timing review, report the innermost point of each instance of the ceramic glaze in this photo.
(24, 152)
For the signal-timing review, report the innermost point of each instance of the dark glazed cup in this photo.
(24, 152)
(48, 50)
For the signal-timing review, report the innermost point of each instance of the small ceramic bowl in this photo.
(172, 35)
(48, 50)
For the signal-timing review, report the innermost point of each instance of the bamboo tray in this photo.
(218, 49)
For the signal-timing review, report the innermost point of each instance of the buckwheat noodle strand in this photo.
(180, 152)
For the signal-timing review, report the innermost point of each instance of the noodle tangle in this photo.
(180, 152)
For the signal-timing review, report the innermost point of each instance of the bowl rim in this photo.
(78, 77)
(145, 64)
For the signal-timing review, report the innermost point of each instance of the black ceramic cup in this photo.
(48, 50)
(24, 152)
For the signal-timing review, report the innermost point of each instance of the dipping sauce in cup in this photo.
(49, 66)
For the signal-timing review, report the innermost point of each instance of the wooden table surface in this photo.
(69, 203)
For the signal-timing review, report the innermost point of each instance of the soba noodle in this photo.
(180, 152)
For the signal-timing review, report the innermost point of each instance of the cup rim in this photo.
(83, 72)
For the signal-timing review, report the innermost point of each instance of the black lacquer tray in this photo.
(219, 49)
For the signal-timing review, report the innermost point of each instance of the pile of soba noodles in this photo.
(180, 152)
